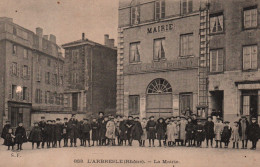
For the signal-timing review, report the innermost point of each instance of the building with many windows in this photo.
(158, 58)
(90, 77)
(234, 85)
(31, 74)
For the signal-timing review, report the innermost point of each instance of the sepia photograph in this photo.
(129, 83)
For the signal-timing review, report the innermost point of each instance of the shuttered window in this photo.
(159, 9)
(134, 105)
(216, 60)
(159, 49)
(250, 57)
(186, 45)
(135, 52)
(187, 6)
(250, 17)
(216, 23)
(135, 15)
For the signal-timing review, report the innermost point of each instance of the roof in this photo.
(83, 42)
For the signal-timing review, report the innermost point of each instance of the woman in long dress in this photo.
(111, 131)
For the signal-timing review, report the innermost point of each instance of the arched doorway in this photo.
(159, 98)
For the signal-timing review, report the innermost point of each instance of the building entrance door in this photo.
(249, 103)
(74, 101)
(159, 99)
(217, 101)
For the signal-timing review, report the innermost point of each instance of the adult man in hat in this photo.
(5, 130)
(100, 120)
(209, 131)
(253, 133)
(129, 125)
(73, 130)
(42, 125)
(243, 130)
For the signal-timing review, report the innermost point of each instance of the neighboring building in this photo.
(234, 85)
(22, 74)
(158, 58)
(90, 77)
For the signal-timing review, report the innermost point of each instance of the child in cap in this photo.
(20, 134)
(161, 130)
(253, 133)
(94, 127)
(35, 135)
(86, 128)
(235, 134)
(218, 131)
(151, 129)
(199, 133)
(58, 132)
(65, 132)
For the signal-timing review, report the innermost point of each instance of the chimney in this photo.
(39, 31)
(111, 43)
(83, 36)
(46, 37)
(106, 38)
(52, 38)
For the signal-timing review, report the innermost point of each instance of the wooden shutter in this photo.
(29, 72)
(184, 6)
(190, 6)
(133, 15)
(163, 9)
(18, 70)
(157, 10)
(220, 60)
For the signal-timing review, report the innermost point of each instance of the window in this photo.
(75, 54)
(246, 105)
(159, 49)
(47, 97)
(56, 80)
(135, 15)
(14, 50)
(38, 96)
(159, 86)
(49, 62)
(186, 6)
(13, 91)
(75, 78)
(250, 17)
(25, 53)
(25, 71)
(216, 60)
(186, 45)
(38, 74)
(47, 77)
(134, 52)
(14, 69)
(159, 9)
(61, 80)
(25, 93)
(38, 58)
(216, 23)
(250, 57)
(134, 105)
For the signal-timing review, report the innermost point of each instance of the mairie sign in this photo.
(160, 28)
(161, 66)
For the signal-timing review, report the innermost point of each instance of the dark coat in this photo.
(123, 130)
(73, 126)
(9, 140)
(58, 132)
(86, 128)
(35, 135)
(253, 132)
(42, 125)
(20, 135)
(5, 130)
(189, 131)
(209, 130)
(137, 131)
(49, 132)
(94, 127)
(129, 126)
(161, 130)
(65, 131)
(240, 127)
(151, 129)
(102, 130)
(226, 134)
(199, 133)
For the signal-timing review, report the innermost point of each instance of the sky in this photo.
(66, 19)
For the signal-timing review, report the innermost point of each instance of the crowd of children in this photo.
(106, 130)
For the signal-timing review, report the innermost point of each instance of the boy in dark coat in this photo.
(123, 131)
(80, 134)
(209, 131)
(100, 119)
(53, 132)
(48, 129)
(102, 132)
(9, 139)
(5, 130)
(253, 133)
(243, 131)
(73, 130)
(161, 130)
(226, 134)
(189, 132)
(58, 132)
(35, 135)
(199, 133)
(129, 125)
(65, 131)
(86, 128)
(94, 127)
(42, 125)
(20, 136)
(137, 131)
(195, 123)
(151, 130)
